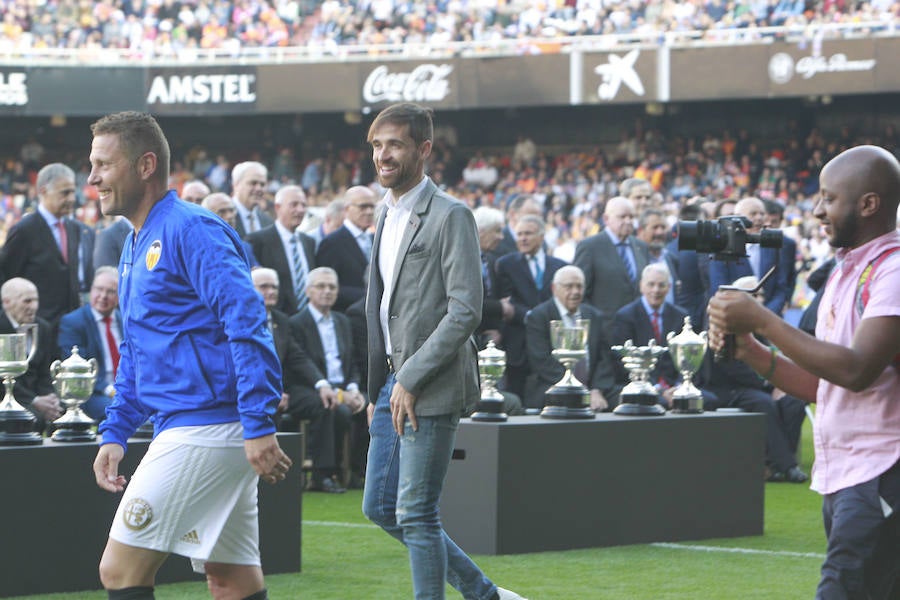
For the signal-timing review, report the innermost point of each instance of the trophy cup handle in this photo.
(93, 363)
(54, 368)
(31, 333)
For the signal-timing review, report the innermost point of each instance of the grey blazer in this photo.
(434, 308)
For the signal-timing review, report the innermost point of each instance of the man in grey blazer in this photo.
(423, 305)
(612, 260)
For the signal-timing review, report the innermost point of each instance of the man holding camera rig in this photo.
(850, 369)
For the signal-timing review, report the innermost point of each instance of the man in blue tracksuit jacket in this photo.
(197, 357)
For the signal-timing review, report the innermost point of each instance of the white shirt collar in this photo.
(353, 229)
(406, 200)
(48, 216)
(316, 315)
(283, 232)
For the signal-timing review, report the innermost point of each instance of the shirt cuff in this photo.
(322, 383)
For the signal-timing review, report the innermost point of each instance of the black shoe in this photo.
(776, 477)
(795, 475)
(327, 485)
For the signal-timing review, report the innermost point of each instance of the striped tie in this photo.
(299, 274)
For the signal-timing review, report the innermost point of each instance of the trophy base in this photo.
(490, 417)
(75, 432)
(567, 412)
(639, 405)
(687, 406)
(17, 429)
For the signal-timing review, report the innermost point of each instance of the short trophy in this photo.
(568, 398)
(687, 350)
(639, 397)
(491, 364)
(16, 422)
(74, 381)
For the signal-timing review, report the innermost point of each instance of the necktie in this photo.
(538, 273)
(486, 276)
(365, 244)
(111, 345)
(623, 254)
(251, 222)
(657, 333)
(63, 240)
(299, 273)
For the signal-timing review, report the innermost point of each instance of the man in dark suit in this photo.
(494, 310)
(787, 256)
(44, 247)
(519, 206)
(756, 264)
(109, 244)
(248, 182)
(652, 317)
(301, 400)
(292, 254)
(348, 249)
(327, 338)
(653, 231)
(525, 278)
(96, 329)
(566, 305)
(33, 389)
(691, 290)
(612, 260)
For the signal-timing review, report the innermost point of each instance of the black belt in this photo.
(390, 363)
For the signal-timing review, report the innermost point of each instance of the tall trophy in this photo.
(16, 422)
(639, 397)
(687, 350)
(491, 364)
(74, 380)
(568, 398)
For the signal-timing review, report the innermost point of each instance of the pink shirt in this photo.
(857, 434)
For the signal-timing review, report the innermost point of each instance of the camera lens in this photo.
(702, 236)
(771, 238)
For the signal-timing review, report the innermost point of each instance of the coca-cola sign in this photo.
(425, 83)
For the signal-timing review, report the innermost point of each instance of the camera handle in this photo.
(727, 351)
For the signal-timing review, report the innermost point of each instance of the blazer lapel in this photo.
(410, 230)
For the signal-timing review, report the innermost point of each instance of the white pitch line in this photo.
(668, 545)
(738, 550)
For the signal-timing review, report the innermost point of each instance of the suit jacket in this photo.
(775, 290)
(36, 381)
(633, 323)
(306, 333)
(264, 221)
(31, 252)
(514, 280)
(340, 251)
(110, 240)
(606, 282)
(297, 370)
(692, 289)
(434, 308)
(491, 308)
(506, 246)
(269, 251)
(78, 328)
(601, 361)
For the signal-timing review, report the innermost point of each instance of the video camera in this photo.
(726, 237)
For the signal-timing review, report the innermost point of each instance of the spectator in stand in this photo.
(612, 259)
(348, 249)
(45, 246)
(639, 192)
(249, 182)
(517, 207)
(787, 255)
(194, 191)
(653, 231)
(525, 278)
(223, 206)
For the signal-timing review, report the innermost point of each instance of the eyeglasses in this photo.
(365, 206)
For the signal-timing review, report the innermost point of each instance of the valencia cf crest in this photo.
(153, 254)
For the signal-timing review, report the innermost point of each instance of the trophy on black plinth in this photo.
(16, 422)
(639, 397)
(74, 380)
(491, 364)
(687, 350)
(568, 398)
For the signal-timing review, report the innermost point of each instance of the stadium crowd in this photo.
(170, 28)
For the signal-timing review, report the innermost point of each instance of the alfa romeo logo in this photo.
(781, 68)
(137, 514)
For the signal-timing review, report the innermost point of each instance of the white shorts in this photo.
(194, 494)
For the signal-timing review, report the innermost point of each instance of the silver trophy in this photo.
(568, 398)
(687, 350)
(74, 380)
(16, 422)
(639, 397)
(491, 364)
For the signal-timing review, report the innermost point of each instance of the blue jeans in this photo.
(404, 478)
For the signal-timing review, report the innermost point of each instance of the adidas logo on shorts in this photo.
(191, 537)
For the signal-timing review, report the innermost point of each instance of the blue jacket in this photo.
(196, 349)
